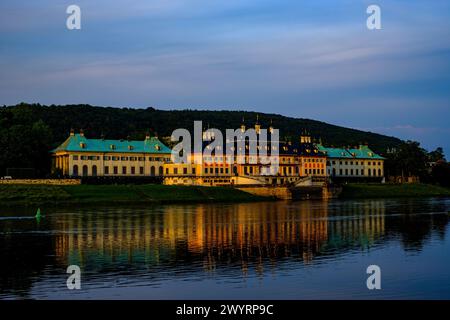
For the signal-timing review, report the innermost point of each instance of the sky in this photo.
(308, 59)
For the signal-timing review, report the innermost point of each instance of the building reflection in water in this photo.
(211, 235)
(217, 241)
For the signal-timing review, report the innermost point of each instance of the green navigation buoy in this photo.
(38, 215)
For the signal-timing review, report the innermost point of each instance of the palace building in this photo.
(296, 160)
(300, 162)
(80, 156)
(353, 164)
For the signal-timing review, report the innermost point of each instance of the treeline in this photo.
(409, 159)
(29, 131)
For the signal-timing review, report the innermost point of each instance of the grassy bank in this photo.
(393, 191)
(11, 195)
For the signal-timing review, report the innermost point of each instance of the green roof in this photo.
(363, 152)
(79, 143)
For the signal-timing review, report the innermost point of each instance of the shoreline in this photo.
(53, 195)
(390, 191)
(153, 194)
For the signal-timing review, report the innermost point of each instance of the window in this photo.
(124, 170)
(115, 158)
(193, 170)
(184, 170)
(152, 171)
(84, 157)
(85, 170)
(346, 172)
(175, 170)
(167, 170)
(132, 158)
(116, 170)
(217, 170)
(124, 158)
(379, 172)
(141, 170)
(221, 170)
(356, 171)
(106, 170)
(141, 158)
(160, 170)
(206, 170)
(74, 157)
(133, 170)
(351, 172)
(340, 172)
(106, 158)
(75, 170)
(94, 170)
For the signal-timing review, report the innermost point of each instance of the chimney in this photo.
(81, 133)
(147, 136)
(72, 132)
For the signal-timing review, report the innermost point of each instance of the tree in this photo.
(436, 155)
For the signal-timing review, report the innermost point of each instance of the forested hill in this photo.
(29, 131)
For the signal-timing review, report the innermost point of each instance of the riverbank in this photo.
(351, 191)
(12, 195)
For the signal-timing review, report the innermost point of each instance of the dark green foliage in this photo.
(11, 195)
(440, 173)
(29, 131)
(409, 159)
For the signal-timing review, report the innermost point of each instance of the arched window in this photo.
(85, 170)
(160, 170)
(374, 172)
(94, 170)
(75, 170)
(152, 171)
(379, 172)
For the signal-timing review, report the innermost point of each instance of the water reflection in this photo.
(164, 242)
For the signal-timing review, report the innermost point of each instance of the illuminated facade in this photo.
(359, 163)
(80, 156)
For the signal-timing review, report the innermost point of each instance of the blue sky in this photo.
(311, 59)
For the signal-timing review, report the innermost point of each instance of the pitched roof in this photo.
(363, 152)
(79, 143)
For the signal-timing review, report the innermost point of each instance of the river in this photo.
(264, 250)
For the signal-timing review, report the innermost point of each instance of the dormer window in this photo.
(157, 147)
(130, 147)
(112, 147)
(82, 145)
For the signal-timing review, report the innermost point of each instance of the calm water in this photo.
(277, 250)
